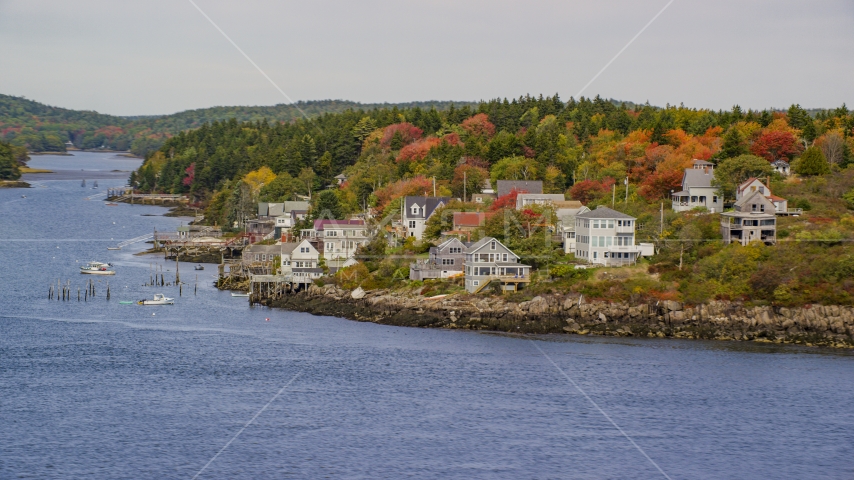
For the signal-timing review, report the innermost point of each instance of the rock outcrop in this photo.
(808, 325)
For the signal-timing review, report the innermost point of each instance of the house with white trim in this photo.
(302, 261)
(416, 212)
(489, 260)
(607, 237)
(697, 189)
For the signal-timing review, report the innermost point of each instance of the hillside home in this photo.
(752, 220)
(697, 189)
(340, 179)
(527, 199)
(445, 260)
(482, 197)
(301, 261)
(782, 167)
(336, 239)
(489, 260)
(468, 221)
(607, 237)
(753, 184)
(522, 186)
(416, 211)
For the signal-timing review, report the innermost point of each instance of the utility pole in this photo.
(627, 191)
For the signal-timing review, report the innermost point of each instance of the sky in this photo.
(163, 56)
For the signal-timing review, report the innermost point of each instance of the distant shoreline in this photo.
(120, 153)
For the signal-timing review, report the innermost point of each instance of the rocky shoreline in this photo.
(811, 325)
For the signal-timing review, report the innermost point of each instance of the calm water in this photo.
(103, 390)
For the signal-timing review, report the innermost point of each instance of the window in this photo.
(715, 199)
(503, 257)
(448, 261)
(610, 224)
(412, 224)
(303, 249)
(415, 209)
(478, 199)
(330, 246)
(257, 257)
(263, 257)
(475, 282)
(702, 199)
(570, 234)
(753, 207)
(492, 245)
(595, 223)
(332, 233)
(762, 208)
(454, 250)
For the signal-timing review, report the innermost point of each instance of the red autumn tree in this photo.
(505, 201)
(405, 132)
(479, 126)
(659, 184)
(417, 150)
(411, 187)
(586, 191)
(191, 175)
(774, 145)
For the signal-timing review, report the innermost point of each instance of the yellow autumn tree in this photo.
(258, 178)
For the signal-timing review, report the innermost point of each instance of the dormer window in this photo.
(415, 209)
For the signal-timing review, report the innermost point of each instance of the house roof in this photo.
(469, 219)
(775, 198)
(288, 247)
(427, 204)
(341, 176)
(780, 163)
(604, 212)
(527, 186)
(448, 242)
(263, 249)
(747, 183)
(322, 224)
(698, 163)
(482, 243)
(266, 209)
(697, 178)
(753, 197)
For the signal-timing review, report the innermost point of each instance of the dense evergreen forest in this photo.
(43, 128)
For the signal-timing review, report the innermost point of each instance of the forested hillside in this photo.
(581, 147)
(42, 128)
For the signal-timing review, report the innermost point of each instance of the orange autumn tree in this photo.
(408, 187)
(479, 126)
(397, 135)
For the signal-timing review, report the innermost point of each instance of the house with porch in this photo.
(301, 261)
(607, 237)
(489, 260)
(566, 211)
(697, 189)
(260, 259)
(416, 211)
(753, 219)
(445, 260)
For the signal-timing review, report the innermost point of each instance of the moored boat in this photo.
(239, 294)
(159, 299)
(97, 268)
(200, 267)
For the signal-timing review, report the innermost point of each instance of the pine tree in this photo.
(812, 162)
(733, 144)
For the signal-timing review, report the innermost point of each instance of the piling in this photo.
(108, 291)
(180, 289)
(78, 294)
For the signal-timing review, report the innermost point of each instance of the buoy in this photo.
(153, 314)
(267, 319)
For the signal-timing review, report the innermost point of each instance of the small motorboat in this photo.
(200, 267)
(239, 294)
(111, 204)
(114, 248)
(159, 299)
(97, 268)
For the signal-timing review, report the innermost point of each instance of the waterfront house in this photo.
(566, 211)
(445, 260)
(336, 239)
(607, 237)
(301, 261)
(504, 187)
(752, 220)
(261, 259)
(527, 199)
(192, 232)
(416, 211)
(489, 260)
(697, 190)
(753, 184)
(284, 215)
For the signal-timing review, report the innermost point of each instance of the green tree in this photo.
(327, 205)
(8, 164)
(730, 172)
(812, 162)
(733, 144)
(283, 188)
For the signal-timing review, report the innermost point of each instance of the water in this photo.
(104, 390)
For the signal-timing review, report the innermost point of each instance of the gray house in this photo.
(697, 189)
(752, 220)
(523, 186)
(489, 260)
(417, 210)
(446, 260)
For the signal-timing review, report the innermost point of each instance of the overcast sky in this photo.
(163, 56)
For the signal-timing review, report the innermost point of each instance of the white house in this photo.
(566, 212)
(526, 199)
(302, 261)
(753, 184)
(697, 189)
(782, 167)
(337, 239)
(416, 211)
(607, 237)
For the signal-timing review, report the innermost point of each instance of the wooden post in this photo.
(177, 275)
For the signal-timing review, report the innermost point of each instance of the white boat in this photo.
(159, 299)
(239, 294)
(97, 268)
